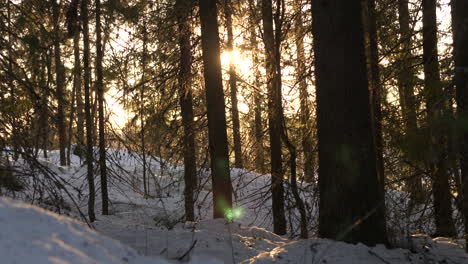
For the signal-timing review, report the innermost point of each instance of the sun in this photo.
(118, 116)
(241, 61)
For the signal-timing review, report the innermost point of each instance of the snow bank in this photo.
(32, 235)
(328, 251)
(152, 226)
(215, 241)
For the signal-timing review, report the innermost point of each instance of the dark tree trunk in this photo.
(74, 30)
(435, 103)
(89, 120)
(45, 100)
(406, 83)
(351, 204)
(305, 114)
(44, 120)
(375, 90)
(258, 133)
(14, 135)
(100, 95)
(274, 119)
(460, 36)
(142, 109)
(70, 124)
(216, 111)
(80, 142)
(184, 8)
(375, 87)
(453, 151)
(259, 151)
(60, 81)
(233, 87)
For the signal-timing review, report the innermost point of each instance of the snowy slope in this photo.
(32, 235)
(220, 242)
(153, 226)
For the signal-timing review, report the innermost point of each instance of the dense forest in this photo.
(353, 113)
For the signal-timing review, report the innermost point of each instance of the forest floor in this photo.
(150, 229)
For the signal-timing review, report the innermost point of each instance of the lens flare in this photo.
(232, 213)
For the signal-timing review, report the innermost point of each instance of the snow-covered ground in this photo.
(30, 234)
(151, 230)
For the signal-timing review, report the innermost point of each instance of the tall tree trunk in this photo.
(184, 8)
(258, 133)
(406, 83)
(460, 37)
(375, 89)
(100, 95)
(274, 119)
(44, 122)
(258, 99)
(305, 114)
(221, 180)
(453, 151)
(80, 142)
(70, 124)
(435, 103)
(228, 8)
(142, 108)
(351, 204)
(14, 132)
(89, 120)
(74, 30)
(45, 100)
(60, 82)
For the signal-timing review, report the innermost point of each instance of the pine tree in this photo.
(100, 98)
(305, 113)
(257, 97)
(274, 118)
(406, 82)
(375, 86)
(60, 83)
(228, 9)
(89, 120)
(351, 204)
(435, 104)
(183, 9)
(221, 180)
(460, 42)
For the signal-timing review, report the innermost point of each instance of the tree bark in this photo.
(216, 110)
(14, 132)
(70, 124)
(375, 90)
(60, 81)
(274, 119)
(460, 37)
(142, 108)
(80, 142)
(258, 98)
(305, 114)
(89, 120)
(406, 82)
(44, 122)
(100, 95)
(435, 104)
(45, 100)
(184, 8)
(228, 8)
(351, 204)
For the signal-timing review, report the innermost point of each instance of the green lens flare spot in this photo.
(232, 213)
(237, 212)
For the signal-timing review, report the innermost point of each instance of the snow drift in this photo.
(33, 235)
